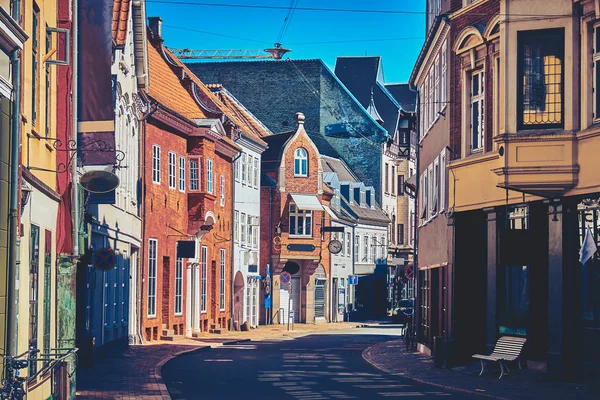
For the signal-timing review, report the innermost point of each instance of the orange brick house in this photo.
(187, 187)
(294, 205)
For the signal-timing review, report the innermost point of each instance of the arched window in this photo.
(300, 162)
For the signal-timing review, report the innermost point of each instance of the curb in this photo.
(453, 389)
(158, 368)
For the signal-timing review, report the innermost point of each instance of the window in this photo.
(424, 190)
(365, 254)
(35, 65)
(236, 169)
(348, 244)
(155, 164)
(222, 190)
(435, 184)
(178, 286)
(431, 104)
(596, 65)
(436, 77)
(152, 247)
(182, 174)
(34, 270)
(244, 169)
(236, 226)
(250, 229)
(477, 108)
(209, 176)
(203, 278)
(243, 228)
(255, 232)
(387, 177)
(400, 184)
(442, 199)
(356, 247)
(341, 239)
(300, 221)
(47, 102)
(393, 180)
(444, 77)
(425, 106)
(540, 88)
(300, 162)
(222, 282)
(194, 174)
(430, 191)
(374, 248)
(172, 158)
(249, 169)
(400, 233)
(255, 172)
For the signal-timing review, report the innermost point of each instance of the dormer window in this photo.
(368, 199)
(300, 162)
(363, 198)
(356, 195)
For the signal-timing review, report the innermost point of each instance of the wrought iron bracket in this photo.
(72, 148)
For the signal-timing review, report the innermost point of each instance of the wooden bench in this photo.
(508, 348)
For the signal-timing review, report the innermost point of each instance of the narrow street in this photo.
(322, 366)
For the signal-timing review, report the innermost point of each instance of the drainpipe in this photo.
(416, 219)
(14, 241)
(74, 131)
(271, 249)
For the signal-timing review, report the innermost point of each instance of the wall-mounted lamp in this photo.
(25, 195)
(442, 114)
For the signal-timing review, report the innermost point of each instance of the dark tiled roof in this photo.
(336, 165)
(271, 157)
(403, 95)
(363, 74)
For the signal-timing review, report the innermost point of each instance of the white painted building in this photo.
(246, 234)
(364, 240)
(116, 224)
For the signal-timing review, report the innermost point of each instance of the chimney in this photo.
(156, 27)
(300, 118)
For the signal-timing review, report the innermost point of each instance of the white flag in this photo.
(588, 248)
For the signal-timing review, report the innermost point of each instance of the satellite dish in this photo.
(99, 181)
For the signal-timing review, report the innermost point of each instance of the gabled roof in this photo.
(166, 88)
(251, 127)
(363, 76)
(119, 21)
(402, 93)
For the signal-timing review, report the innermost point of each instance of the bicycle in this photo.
(13, 384)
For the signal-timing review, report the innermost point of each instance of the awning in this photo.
(307, 202)
(411, 182)
(331, 214)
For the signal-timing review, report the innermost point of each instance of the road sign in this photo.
(105, 259)
(410, 271)
(291, 314)
(353, 280)
(285, 277)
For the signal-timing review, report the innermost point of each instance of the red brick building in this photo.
(187, 191)
(293, 198)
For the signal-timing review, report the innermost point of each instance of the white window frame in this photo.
(209, 176)
(222, 190)
(236, 226)
(203, 278)
(244, 169)
(477, 101)
(435, 199)
(348, 244)
(300, 162)
(375, 248)
(256, 174)
(356, 248)
(152, 275)
(255, 231)
(222, 280)
(426, 107)
(442, 199)
(423, 210)
(431, 97)
(172, 169)
(366, 252)
(181, 174)
(156, 164)
(430, 186)
(236, 170)
(194, 164)
(444, 77)
(436, 76)
(243, 230)
(307, 221)
(249, 170)
(178, 305)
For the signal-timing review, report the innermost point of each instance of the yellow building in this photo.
(37, 271)
(525, 201)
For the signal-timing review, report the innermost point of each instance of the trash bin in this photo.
(439, 351)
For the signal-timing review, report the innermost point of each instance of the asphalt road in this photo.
(315, 367)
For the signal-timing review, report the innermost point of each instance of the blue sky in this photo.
(260, 28)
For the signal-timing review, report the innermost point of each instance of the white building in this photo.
(364, 242)
(116, 216)
(246, 249)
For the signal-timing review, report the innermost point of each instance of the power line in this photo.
(215, 34)
(358, 41)
(348, 10)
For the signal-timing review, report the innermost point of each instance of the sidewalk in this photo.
(135, 374)
(392, 357)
